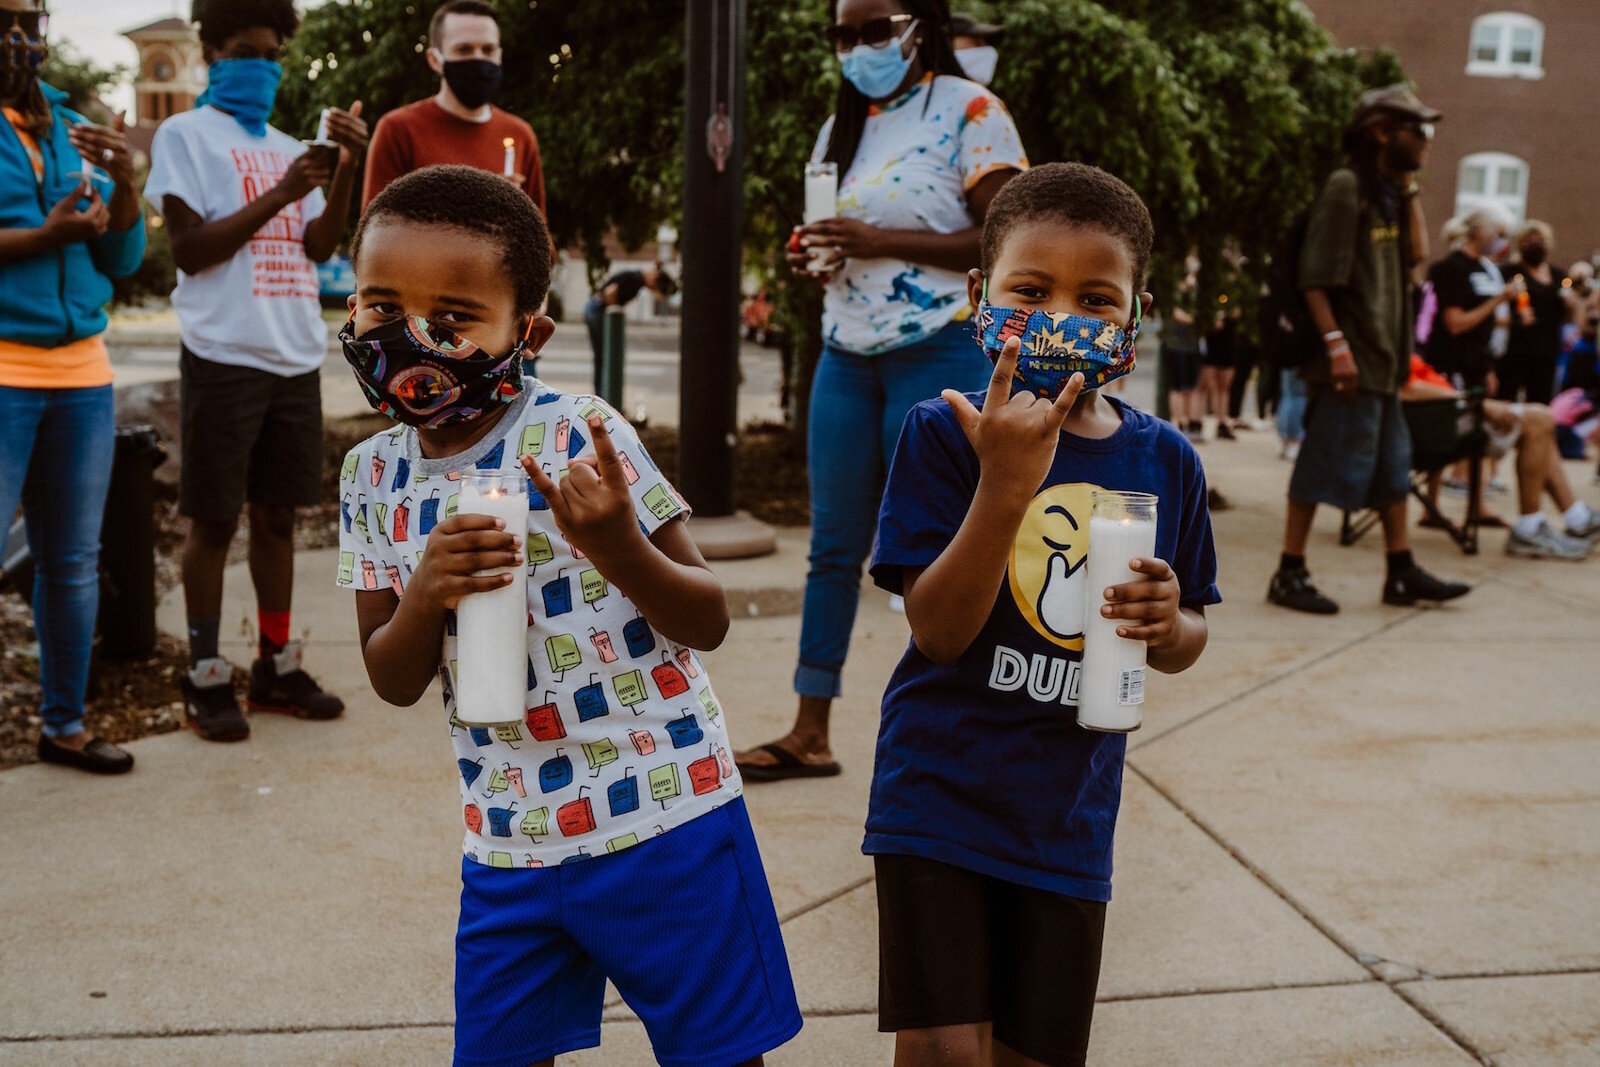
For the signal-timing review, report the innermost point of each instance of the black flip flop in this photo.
(788, 765)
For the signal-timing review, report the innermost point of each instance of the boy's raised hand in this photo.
(458, 548)
(591, 505)
(1149, 605)
(1014, 436)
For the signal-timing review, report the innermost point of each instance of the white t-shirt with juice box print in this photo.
(920, 154)
(260, 308)
(623, 737)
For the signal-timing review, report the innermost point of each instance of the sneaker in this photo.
(1589, 531)
(1409, 586)
(1546, 543)
(1225, 432)
(279, 683)
(1293, 590)
(1455, 487)
(1498, 484)
(209, 703)
(1290, 451)
(897, 603)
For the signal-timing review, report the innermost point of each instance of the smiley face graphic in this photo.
(1046, 573)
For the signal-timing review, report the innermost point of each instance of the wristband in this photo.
(1331, 334)
(1341, 350)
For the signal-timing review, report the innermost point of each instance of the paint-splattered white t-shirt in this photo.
(920, 155)
(623, 737)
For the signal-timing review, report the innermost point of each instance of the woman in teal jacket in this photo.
(64, 235)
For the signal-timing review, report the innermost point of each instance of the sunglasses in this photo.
(874, 33)
(27, 23)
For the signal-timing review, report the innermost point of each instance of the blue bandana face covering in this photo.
(245, 89)
(1055, 346)
(877, 72)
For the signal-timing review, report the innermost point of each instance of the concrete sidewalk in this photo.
(1366, 839)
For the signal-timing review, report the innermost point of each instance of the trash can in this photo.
(128, 546)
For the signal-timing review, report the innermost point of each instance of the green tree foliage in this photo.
(1223, 114)
(81, 78)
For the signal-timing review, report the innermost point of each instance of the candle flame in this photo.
(508, 142)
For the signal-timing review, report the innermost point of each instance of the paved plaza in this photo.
(1366, 839)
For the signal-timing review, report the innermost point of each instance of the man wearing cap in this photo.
(975, 46)
(1364, 236)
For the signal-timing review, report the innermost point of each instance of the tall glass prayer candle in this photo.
(1111, 685)
(822, 202)
(511, 157)
(492, 627)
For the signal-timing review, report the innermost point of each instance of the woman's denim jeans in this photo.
(55, 457)
(1292, 406)
(858, 404)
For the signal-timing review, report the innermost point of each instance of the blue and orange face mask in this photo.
(1055, 345)
(424, 374)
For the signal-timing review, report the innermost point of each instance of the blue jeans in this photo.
(858, 404)
(56, 448)
(1292, 406)
(594, 317)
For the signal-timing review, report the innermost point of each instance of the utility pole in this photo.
(713, 189)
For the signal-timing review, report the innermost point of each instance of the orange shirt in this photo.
(82, 364)
(423, 134)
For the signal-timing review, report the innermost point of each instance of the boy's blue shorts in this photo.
(683, 924)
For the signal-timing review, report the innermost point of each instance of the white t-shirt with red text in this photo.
(259, 309)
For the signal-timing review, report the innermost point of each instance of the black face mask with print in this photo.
(424, 374)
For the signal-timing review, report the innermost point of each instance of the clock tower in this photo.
(171, 70)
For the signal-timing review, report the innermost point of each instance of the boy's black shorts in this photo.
(250, 435)
(956, 946)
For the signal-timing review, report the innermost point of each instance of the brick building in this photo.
(171, 73)
(1519, 84)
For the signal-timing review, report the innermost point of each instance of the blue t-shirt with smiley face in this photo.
(980, 763)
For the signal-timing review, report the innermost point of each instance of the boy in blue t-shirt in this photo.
(992, 811)
(605, 829)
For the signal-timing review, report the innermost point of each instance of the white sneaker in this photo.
(897, 603)
(1546, 543)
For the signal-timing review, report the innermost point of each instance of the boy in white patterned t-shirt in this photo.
(621, 759)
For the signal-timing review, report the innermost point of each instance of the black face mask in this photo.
(474, 81)
(1534, 255)
(21, 55)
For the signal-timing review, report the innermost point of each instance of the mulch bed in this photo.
(133, 698)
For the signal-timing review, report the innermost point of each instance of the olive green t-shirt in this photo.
(1356, 253)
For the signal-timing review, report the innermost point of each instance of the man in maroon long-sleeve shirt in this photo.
(458, 124)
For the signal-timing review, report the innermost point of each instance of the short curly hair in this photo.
(220, 19)
(476, 202)
(1074, 193)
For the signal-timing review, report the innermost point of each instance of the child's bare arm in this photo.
(401, 636)
(1015, 438)
(664, 576)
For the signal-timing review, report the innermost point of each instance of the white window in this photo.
(1506, 44)
(1493, 178)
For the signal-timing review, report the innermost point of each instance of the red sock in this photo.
(274, 630)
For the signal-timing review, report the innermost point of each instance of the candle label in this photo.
(1130, 687)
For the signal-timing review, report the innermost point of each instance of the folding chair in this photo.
(1443, 432)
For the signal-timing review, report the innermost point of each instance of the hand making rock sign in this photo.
(591, 504)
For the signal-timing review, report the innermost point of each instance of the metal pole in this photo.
(613, 354)
(712, 205)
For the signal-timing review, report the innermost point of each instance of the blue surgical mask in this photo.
(1055, 346)
(877, 72)
(245, 89)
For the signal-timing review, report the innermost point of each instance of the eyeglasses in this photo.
(874, 33)
(27, 23)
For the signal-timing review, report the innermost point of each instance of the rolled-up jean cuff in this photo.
(67, 727)
(816, 682)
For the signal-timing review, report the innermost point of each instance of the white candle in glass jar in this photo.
(511, 157)
(492, 628)
(822, 202)
(1111, 682)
